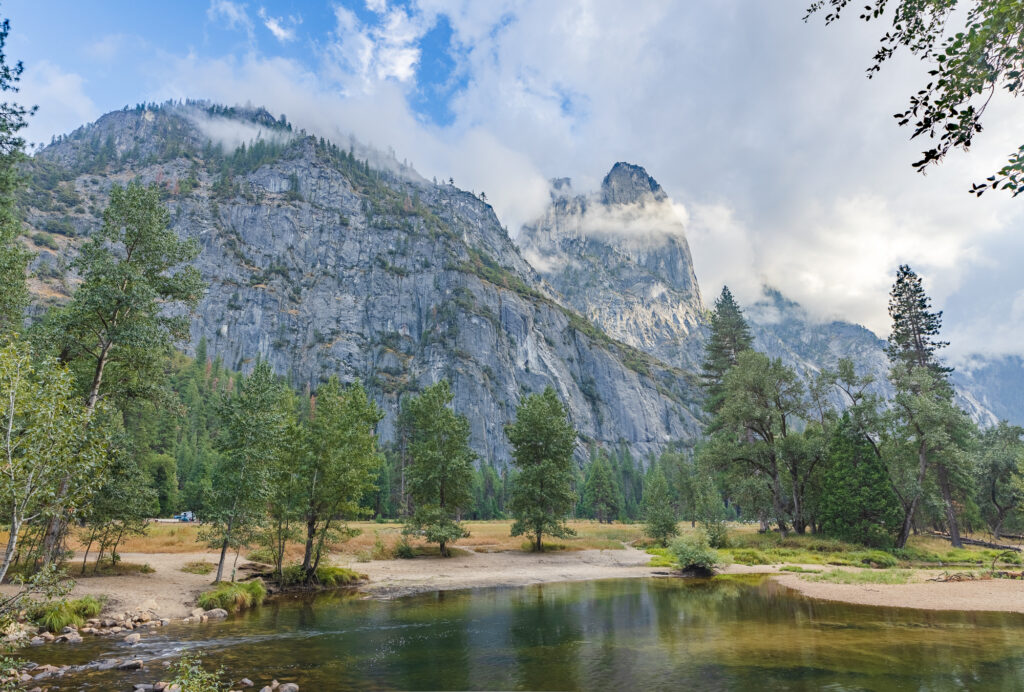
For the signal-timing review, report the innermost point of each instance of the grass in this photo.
(661, 557)
(199, 567)
(326, 576)
(867, 576)
(798, 569)
(106, 568)
(233, 596)
(57, 616)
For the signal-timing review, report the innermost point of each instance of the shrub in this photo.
(693, 554)
(265, 555)
(717, 533)
(750, 556)
(234, 596)
(190, 676)
(57, 616)
(403, 550)
(325, 576)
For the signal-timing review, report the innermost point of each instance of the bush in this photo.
(717, 533)
(403, 550)
(693, 554)
(325, 576)
(265, 555)
(750, 556)
(190, 676)
(57, 616)
(234, 596)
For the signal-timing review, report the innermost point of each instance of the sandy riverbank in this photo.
(171, 592)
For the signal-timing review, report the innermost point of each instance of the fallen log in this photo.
(972, 541)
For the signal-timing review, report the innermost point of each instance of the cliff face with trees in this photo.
(337, 261)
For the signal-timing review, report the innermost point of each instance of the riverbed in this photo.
(648, 633)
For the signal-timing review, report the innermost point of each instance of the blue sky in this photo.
(783, 159)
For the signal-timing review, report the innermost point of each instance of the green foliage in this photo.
(858, 503)
(127, 313)
(13, 256)
(190, 676)
(326, 576)
(58, 615)
(661, 522)
(693, 554)
(601, 492)
(729, 336)
(233, 596)
(972, 50)
(543, 441)
(661, 557)
(440, 475)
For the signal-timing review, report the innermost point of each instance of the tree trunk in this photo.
(307, 556)
(12, 546)
(908, 515)
(223, 552)
(947, 499)
(539, 547)
(444, 550)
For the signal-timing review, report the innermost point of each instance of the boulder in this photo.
(133, 638)
(134, 664)
(216, 613)
(288, 687)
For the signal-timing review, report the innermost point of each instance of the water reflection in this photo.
(617, 635)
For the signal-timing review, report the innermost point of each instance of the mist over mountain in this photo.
(325, 259)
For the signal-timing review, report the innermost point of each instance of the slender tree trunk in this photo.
(444, 550)
(12, 546)
(88, 547)
(947, 499)
(539, 546)
(307, 557)
(908, 515)
(224, 551)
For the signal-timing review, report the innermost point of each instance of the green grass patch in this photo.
(660, 557)
(233, 596)
(327, 576)
(198, 567)
(749, 556)
(867, 576)
(57, 616)
(798, 569)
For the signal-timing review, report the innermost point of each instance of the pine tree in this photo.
(440, 473)
(601, 492)
(857, 503)
(915, 328)
(543, 441)
(729, 337)
(659, 514)
(931, 424)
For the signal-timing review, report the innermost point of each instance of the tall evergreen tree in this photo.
(729, 336)
(600, 490)
(440, 473)
(661, 521)
(543, 440)
(915, 327)
(924, 396)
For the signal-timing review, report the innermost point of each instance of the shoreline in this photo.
(171, 593)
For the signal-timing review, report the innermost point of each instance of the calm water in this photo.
(625, 635)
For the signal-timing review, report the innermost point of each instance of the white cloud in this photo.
(233, 14)
(61, 98)
(283, 28)
(764, 128)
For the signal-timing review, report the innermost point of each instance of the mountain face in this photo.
(323, 264)
(620, 258)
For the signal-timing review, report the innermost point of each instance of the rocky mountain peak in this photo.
(627, 183)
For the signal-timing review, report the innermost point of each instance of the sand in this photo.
(171, 593)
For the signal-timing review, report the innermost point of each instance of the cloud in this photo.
(283, 28)
(61, 98)
(230, 133)
(785, 159)
(232, 14)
